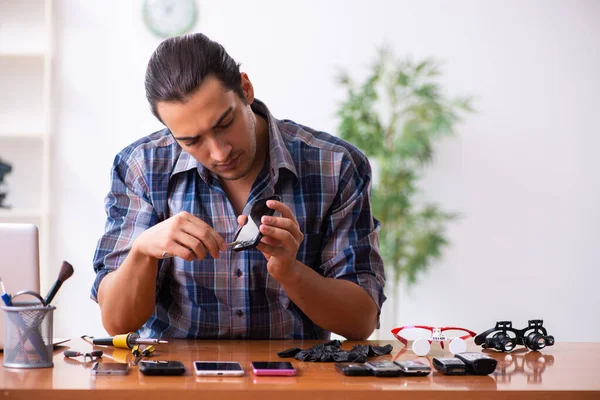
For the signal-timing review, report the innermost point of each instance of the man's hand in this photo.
(280, 242)
(337, 305)
(183, 235)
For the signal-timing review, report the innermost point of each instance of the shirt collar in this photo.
(279, 156)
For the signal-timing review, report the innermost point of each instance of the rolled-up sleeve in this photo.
(351, 248)
(129, 213)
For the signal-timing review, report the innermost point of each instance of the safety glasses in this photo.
(429, 334)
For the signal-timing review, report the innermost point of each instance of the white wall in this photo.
(521, 171)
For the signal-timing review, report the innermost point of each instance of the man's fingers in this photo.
(191, 244)
(285, 211)
(198, 227)
(212, 241)
(285, 224)
(270, 241)
(271, 251)
(179, 250)
(282, 235)
(242, 220)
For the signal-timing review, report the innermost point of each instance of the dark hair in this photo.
(179, 64)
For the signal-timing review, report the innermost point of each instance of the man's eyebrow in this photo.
(221, 118)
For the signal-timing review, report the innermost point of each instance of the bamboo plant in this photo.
(395, 117)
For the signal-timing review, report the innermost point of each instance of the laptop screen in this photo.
(19, 263)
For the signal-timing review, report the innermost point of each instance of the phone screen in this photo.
(151, 367)
(249, 235)
(217, 366)
(273, 368)
(382, 365)
(277, 365)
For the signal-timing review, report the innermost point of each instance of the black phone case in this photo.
(354, 370)
(478, 363)
(379, 369)
(259, 209)
(162, 368)
(449, 369)
(387, 374)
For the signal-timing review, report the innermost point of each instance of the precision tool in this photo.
(93, 356)
(136, 353)
(126, 341)
(147, 352)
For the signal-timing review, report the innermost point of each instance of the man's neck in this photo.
(238, 191)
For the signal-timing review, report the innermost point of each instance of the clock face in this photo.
(167, 18)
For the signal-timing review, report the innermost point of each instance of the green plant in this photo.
(395, 117)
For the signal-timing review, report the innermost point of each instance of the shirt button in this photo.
(240, 313)
(238, 273)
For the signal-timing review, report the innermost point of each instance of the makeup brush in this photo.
(66, 270)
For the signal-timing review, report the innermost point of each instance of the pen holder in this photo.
(28, 336)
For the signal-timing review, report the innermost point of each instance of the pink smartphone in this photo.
(273, 368)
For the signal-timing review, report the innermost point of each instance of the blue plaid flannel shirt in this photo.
(324, 180)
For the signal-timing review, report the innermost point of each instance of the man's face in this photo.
(216, 127)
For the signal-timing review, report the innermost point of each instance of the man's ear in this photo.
(247, 88)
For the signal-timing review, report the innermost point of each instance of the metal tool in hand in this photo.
(248, 235)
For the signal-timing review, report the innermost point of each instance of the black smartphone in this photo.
(162, 367)
(384, 368)
(449, 366)
(353, 369)
(413, 368)
(248, 236)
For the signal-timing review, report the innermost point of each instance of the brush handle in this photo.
(52, 292)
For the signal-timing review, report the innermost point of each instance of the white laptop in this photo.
(19, 263)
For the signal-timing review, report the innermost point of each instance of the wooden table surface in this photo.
(564, 371)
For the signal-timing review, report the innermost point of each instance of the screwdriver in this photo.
(126, 341)
(147, 352)
(136, 353)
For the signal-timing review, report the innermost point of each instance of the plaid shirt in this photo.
(325, 181)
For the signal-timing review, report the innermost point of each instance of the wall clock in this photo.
(167, 18)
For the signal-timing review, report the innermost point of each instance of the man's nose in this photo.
(220, 151)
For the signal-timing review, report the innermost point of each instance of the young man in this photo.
(163, 266)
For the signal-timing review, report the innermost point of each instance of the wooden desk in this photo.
(570, 371)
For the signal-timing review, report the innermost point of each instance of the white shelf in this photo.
(16, 213)
(15, 134)
(23, 54)
(25, 114)
(23, 27)
(22, 107)
(24, 183)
